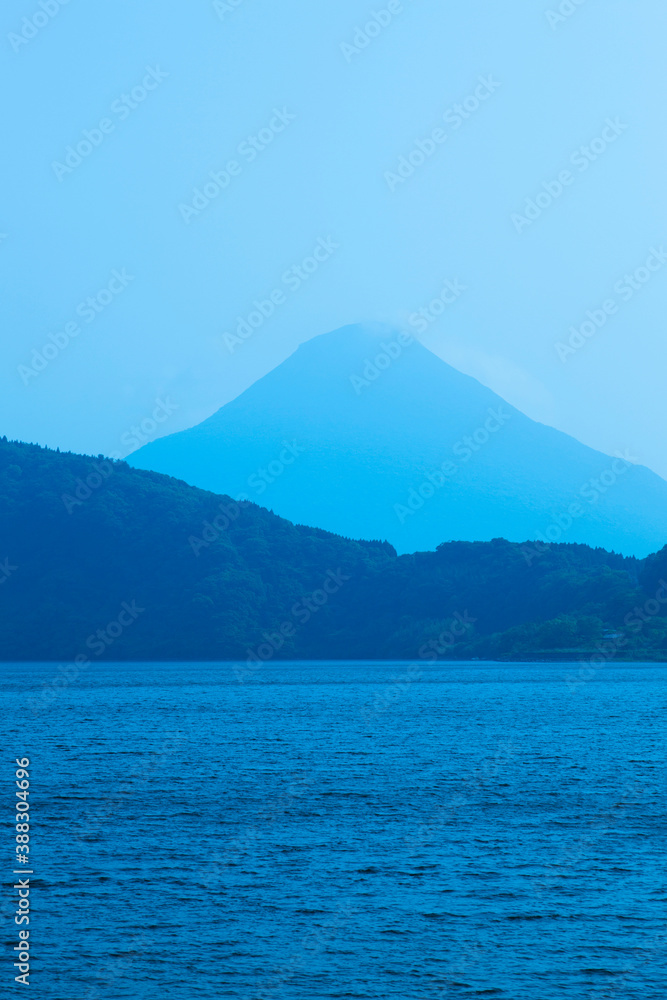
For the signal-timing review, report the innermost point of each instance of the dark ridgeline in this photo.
(183, 574)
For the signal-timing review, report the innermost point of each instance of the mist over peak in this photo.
(365, 432)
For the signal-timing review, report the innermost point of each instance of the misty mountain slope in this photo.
(416, 453)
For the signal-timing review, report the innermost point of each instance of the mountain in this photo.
(101, 560)
(366, 435)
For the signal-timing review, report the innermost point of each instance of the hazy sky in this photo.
(304, 119)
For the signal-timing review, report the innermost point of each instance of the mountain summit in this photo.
(366, 433)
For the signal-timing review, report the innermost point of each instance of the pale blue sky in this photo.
(323, 177)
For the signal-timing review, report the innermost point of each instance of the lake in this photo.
(361, 830)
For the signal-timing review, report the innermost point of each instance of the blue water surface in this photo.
(340, 830)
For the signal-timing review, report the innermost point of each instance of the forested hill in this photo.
(101, 560)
